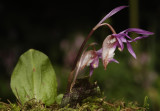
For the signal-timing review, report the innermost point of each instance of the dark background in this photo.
(58, 29)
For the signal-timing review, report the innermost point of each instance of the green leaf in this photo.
(34, 77)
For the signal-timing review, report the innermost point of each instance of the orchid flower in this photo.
(106, 53)
(117, 40)
(123, 37)
(90, 58)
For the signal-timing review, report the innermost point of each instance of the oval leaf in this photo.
(34, 77)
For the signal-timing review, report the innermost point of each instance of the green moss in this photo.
(88, 104)
(9, 107)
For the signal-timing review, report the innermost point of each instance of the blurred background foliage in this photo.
(58, 29)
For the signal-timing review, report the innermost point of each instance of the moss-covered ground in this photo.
(88, 104)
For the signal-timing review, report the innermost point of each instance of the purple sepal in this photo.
(129, 47)
(138, 31)
(114, 60)
(115, 10)
(138, 38)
